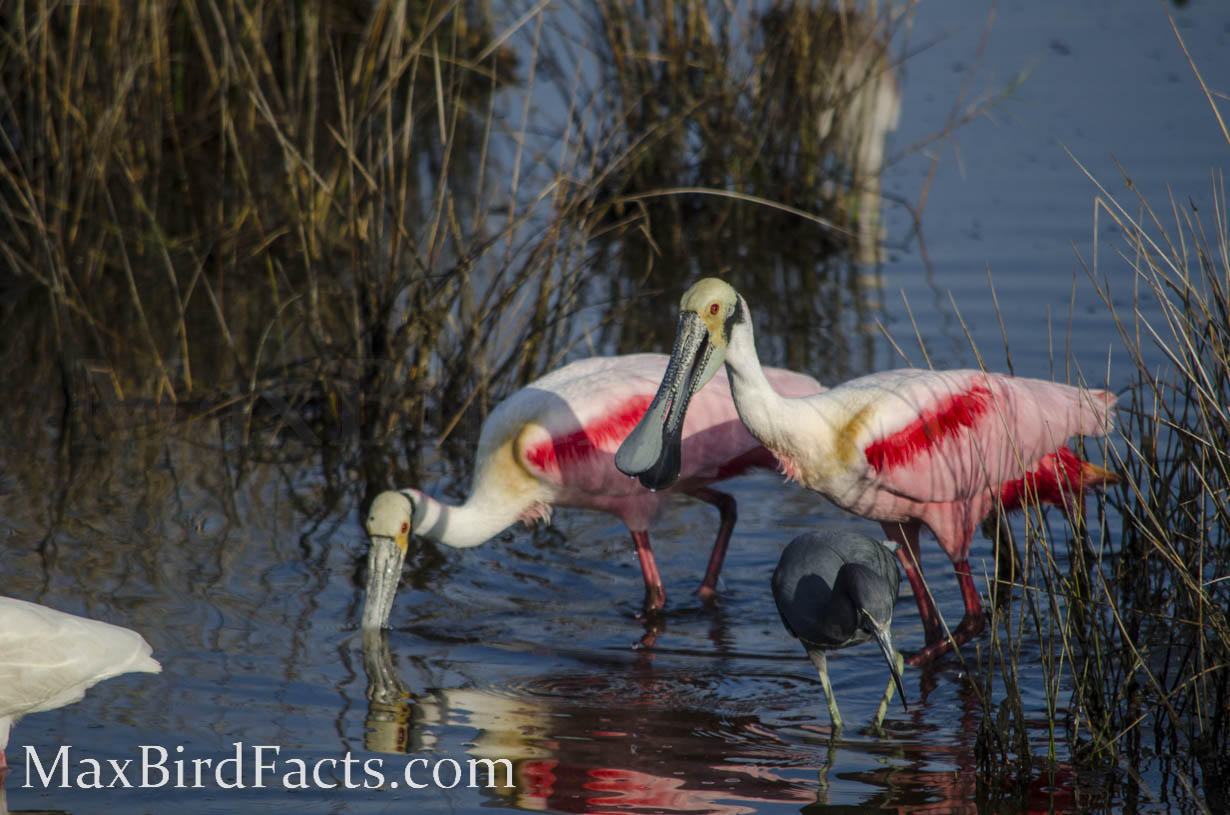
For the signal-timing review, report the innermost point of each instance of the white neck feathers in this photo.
(465, 526)
(758, 404)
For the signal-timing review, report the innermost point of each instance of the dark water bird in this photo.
(835, 589)
(552, 443)
(48, 659)
(906, 448)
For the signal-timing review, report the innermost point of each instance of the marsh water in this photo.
(244, 571)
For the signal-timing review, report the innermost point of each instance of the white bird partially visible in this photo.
(48, 659)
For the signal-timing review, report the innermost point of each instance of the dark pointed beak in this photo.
(384, 561)
(652, 450)
(885, 640)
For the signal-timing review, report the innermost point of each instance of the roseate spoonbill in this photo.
(836, 589)
(49, 658)
(905, 448)
(551, 444)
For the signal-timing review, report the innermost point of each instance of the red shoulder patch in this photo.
(931, 427)
(606, 432)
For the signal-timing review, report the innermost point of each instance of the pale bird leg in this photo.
(819, 659)
(882, 710)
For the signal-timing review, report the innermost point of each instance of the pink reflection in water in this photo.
(548, 784)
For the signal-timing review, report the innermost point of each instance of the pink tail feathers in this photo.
(1060, 479)
(1096, 412)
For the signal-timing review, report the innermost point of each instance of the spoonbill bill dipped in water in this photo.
(48, 659)
(552, 444)
(906, 448)
(835, 589)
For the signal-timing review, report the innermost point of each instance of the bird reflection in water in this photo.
(624, 736)
(589, 741)
(388, 711)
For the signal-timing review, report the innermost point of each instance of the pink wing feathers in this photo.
(581, 414)
(946, 436)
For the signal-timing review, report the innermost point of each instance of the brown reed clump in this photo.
(289, 208)
(359, 221)
(1129, 618)
(1167, 593)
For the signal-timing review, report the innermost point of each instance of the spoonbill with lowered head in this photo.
(905, 448)
(552, 444)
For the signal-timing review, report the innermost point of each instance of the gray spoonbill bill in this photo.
(835, 589)
(552, 443)
(906, 448)
(48, 659)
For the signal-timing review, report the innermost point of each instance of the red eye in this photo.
(713, 309)
(405, 527)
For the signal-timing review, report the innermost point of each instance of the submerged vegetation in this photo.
(358, 225)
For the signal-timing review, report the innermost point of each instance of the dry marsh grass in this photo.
(223, 199)
(1127, 616)
(371, 220)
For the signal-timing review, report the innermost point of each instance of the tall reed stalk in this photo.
(1130, 611)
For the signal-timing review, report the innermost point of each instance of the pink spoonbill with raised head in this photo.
(906, 448)
(552, 444)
